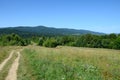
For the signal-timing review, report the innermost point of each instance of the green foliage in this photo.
(112, 36)
(111, 41)
(117, 43)
(105, 41)
(50, 42)
(13, 39)
(41, 40)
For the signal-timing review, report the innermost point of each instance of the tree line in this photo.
(13, 39)
(111, 41)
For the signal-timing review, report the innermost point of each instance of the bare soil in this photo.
(6, 60)
(12, 74)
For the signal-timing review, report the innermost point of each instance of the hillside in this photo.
(60, 63)
(42, 30)
(68, 63)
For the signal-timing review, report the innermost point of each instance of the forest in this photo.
(111, 41)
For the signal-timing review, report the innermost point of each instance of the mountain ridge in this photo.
(43, 30)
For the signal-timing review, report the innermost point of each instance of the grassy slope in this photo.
(69, 63)
(6, 68)
(4, 53)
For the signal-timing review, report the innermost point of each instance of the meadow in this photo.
(69, 63)
(4, 53)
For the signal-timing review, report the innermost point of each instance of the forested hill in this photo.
(42, 30)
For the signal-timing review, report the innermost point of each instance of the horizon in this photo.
(56, 28)
(99, 16)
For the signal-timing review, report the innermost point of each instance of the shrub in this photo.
(50, 43)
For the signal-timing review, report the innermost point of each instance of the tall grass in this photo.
(5, 51)
(4, 72)
(69, 63)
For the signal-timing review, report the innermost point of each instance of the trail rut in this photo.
(12, 74)
(6, 60)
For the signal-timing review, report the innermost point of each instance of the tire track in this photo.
(6, 60)
(12, 74)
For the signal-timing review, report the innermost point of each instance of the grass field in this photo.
(4, 53)
(6, 68)
(69, 63)
(5, 50)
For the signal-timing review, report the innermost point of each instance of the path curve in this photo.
(12, 74)
(6, 60)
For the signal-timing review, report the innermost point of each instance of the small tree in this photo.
(40, 42)
(50, 43)
(117, 43)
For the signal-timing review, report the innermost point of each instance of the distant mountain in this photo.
(45, 31)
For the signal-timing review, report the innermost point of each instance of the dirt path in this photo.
(12, 74)
(6, 60)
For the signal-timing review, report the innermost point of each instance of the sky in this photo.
(94, 15)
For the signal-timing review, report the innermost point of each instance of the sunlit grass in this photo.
(5, 51)
(69, 63)
(4, 71)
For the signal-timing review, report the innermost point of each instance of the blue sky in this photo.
(95, 15)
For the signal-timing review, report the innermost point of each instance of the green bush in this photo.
(117, 43)
(13, 39)
(50, 43)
